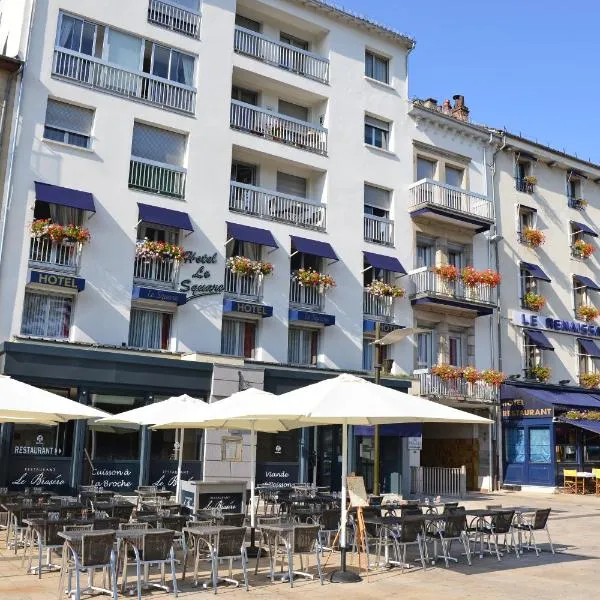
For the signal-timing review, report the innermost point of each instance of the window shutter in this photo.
(377, 197)
(68, 117)
(291, 185)
(159, 145)
(377, 123)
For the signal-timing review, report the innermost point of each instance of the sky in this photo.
(530, 66)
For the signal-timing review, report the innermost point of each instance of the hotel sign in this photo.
(76, 284)
(247, 308)
(200, 284)
(312, 317)
(520, 409)
(533, 321)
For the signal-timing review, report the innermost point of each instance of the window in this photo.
(149, 329)
(286, 38)
(523, 170)
(424, 350)
(167, 63)
(425, 168)
(377, 133)
(532, 354)
(456, 258)
(63, 215)
(580, 294)
(573, 189)
(539, 445)
(424, 254)
(247, 23)
(371, 273)
(377, 201)
(76, 35)
(162, 444)
(527, 218)
(154, 233)
(529, 284)
(377, 67)
(46, 315)
(565, 437)
(587, 364)
(591, 447)
(454, 176)
(303, 346)
(368, 361)
(514, 444)
(295, 111)
(243, 173)
(238, 338)
(68, 124)
(291, 185)
(158, 145)
(455, 350)
(244, 95)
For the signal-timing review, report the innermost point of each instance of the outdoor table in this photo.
(585, 478)
(115, 507)
(157, 493)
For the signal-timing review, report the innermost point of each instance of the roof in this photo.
(338, 12)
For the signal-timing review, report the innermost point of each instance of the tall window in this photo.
(46, 315)
(377, 67)
(149, 329)
(529, 283)
(522, 170)
(455, 176)
(580, 293)
(377, 201)
(291, 40)
(424, 350)
(425, 168)
(303, 346)
(456, 258)
(377, 132)
(527, 219)
(425, 254)
(573, 188)
(533, 355)
(514, 444)
(244, 173)
(368, 361)
(292, 185)
(158, 145)
(76, 35)
(68, 124)
(154, 233)
(247, 23)
(295, 111)
(587, 364)
(238, 338)
(539, 445)
(455, 350)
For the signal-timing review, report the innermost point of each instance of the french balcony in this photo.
(278, 127)
(280, 54)
(157, 178)
(449, 204)
(308, 297)
(379, 230)
(60, 256)
(522, 185)
(156, 272)
(456, 389)
(245, 287)
(437, 293)
(380, 307)
(97, 74)
(274, 206)
(175, 17)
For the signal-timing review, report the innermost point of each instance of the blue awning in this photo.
(583, 424)
(537, 338)
(54, 194)
(586, 282)
(388, 263)
(535, 271)
(391, 430)
(590, 347)
(582, 227)
(164, 216)
(254, 235)
(550, 397)
(322, 249)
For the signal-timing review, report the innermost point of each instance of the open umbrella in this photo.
(157, 413)
(18, 399)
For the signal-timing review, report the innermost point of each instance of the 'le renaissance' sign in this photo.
(533, 321)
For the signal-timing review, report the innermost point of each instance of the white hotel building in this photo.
(280, 131)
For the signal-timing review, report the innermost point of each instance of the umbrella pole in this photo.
(344, 576)
(252, 550)
(179, 460)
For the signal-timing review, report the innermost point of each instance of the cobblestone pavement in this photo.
(572, 573)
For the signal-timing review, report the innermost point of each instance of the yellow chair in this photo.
(596, 474)
(570, 481)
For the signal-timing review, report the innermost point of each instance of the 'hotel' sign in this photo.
(77, 284)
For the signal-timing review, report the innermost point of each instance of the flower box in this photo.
(472, 278)
(240, 265)
(45, 228)
(587, 313)
(492, 377)
(539, 373)
(589, 380)
(534, 301)
(448, 273)
(447, 372)
(149, 250)
(311, 278)
(382, 289)
(533, 237)
(583, 249)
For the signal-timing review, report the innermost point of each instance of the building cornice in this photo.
(436, 150)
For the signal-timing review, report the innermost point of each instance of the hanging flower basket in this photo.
(240, 265)
(447, 372)
(447, 272)
(534, 301)
(381, 289)
(542, 374)
(530, 179)
(45, 228)
(150, 250)
(310, 278)
(583, 415)
(589, 380)
(583, 249)
(533, 237)
(587, 313)
(471, 374)
(492, 377)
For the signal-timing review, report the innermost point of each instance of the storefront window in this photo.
(539, 445)
(591, 447)
(278, 447)
(515, 445)
(162, 445)
(566, 443)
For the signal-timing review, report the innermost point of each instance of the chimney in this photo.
(446, 107)
(431, 103)
(460, 111)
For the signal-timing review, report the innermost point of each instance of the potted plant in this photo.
(533, 237)
(530, 179)
(587, 313)
(241, 265)
(380, 289)
(589, 380)
(583, 415)
(540, 373)
(471, 278)
(45, 228)
(75, 233)
(492, 377)
(534, 301)
(583, 249)
(148, 250)
(580, 203)
(448, 273)
(490, 277)
(311, 278)
(471, 374)
(446, 372)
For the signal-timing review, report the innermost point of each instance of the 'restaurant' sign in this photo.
(525, 409)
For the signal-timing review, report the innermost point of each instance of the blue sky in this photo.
(531, 66)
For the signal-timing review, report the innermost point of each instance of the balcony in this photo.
(156, 272)
(246, 287)
(60, 256)
(274, 206)
(379, 230)
(281, 55)
(277, 127)
(150, 176)
(310, 298)
(522, 185)
(175, 17)
(456, 389)
(92, 72)
(380, 307)
(449, 204)
(431, 289)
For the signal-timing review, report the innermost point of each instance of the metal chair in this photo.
(305, 540)
(454, 528)
(230, 544)
(538, 522)
(264, 542)
(17, 529)
(233, 519)
(500, 523)
(330, 525)
(156, 549)
(409, 533)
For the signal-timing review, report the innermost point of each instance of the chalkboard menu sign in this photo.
(119, 476)
(357, 491)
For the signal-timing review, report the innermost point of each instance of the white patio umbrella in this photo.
(23, 401)
(158, 412)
